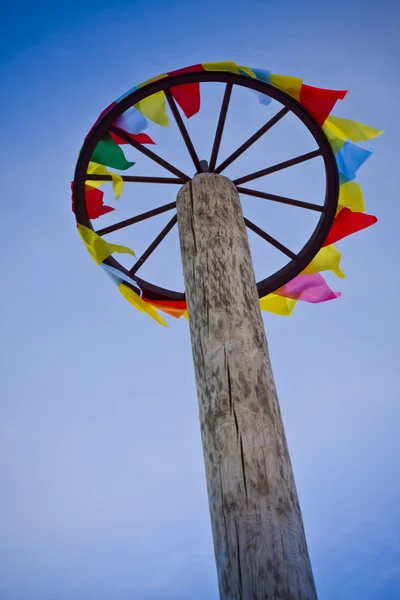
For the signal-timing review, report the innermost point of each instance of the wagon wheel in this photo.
(327, 210)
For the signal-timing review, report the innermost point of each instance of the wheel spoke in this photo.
(183, 130)
(281, 199)
(220, 126)
(278, 167)
(149, 153)
(270, 239)
(153, 245)
(256, 136)
(134, 178)
(137, 219)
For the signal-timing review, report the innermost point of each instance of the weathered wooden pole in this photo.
(259, 541)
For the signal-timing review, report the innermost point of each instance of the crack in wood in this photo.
(228, 375)
(243, 467)
(224, 515)
(239, 565)
(236, 423)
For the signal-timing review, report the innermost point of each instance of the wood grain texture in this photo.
(259, 541)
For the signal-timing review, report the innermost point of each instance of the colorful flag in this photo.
(153, 108)
(262, 74)
(327, 259)
(118, 275)
(349, 159)
(346, 223)
(308, 288)
(290, 85)
(319, 102)
(228, 65)
(277, 305)
(187, 95)
(140, 304)
(117, 181)
(352, 130)
(140, 138)
(98, 248)
(131, 121)
(95, 206)
(108, 153)
(174, 308)
(350, 194)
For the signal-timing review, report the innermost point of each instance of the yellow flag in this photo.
(153, 107)
(140, 304)
(327, 259)
(185, 315)
(98, 248)
(117, 181)
(152, 79)
(331, 133)
(228, 65)
(277, 304)
(350, 194)
(354, 131)
(290, 85)
(248, 71)
(336, 144)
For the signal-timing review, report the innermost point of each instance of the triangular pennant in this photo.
(140, 304)
(108, 153)
(140, 138)
(277, 305)
(320, 102)
(153, 108)
(308, 288)
(98, 248)
(326, 259)
(352, 130)
(349, 159)
(348, 222)
(95, 206)
(117, 181)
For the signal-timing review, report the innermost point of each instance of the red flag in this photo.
(174, 308)
(94, 202)
(187, 95)
(140, 138)
(347, 222)
(320, 102)
(191, 69)
(171, 303)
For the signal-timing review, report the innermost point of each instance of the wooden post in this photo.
(259, 542)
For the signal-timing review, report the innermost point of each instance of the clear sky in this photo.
(101, 469)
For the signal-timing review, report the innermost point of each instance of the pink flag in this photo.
(308, 288)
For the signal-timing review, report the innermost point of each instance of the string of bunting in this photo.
(343, 136)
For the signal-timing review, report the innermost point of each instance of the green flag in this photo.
(108, 153)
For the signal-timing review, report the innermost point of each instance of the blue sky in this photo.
(101, 470)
